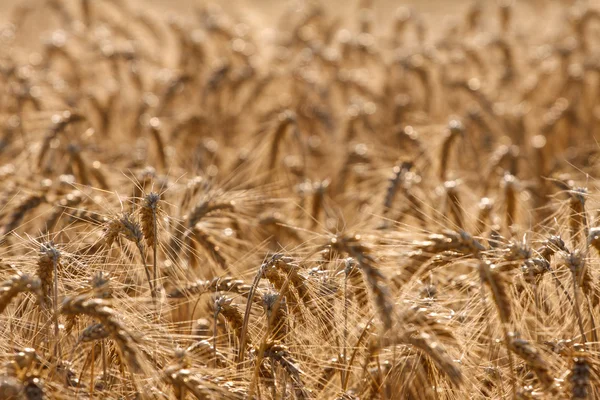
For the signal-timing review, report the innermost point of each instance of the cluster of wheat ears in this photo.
(195, 207)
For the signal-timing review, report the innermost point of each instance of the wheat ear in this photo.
(149, 212)
(20, 283)
(580, 376)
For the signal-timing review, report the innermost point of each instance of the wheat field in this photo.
(295, 200)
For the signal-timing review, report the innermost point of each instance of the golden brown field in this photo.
(289, 200)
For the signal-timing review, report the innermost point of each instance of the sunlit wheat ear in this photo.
(276, 315)
(461, 242)
(199, 385)
(453, 204)
(377, 282)
(223, 306)
(580, 376)
(436, 352)
(99, 286)
(206, 207)
(84, 216)
(578, 222)
(509, 184)
(281, 355)
(514, 254)
(485, 206)
(424, 334)
(455, 128)
(280, 282)
(581, 277)
(354, 278)
(394, 182)
(497, 284)
(27, 205)
(437, 249)
(285, 119)
(204, 350)
(291, 269)
(93, 333)
(532, 358)
(101, 310)
(20, 283)
(550, 246)
(48, 263)
(534, 269)
(131, 230)
(150, 211)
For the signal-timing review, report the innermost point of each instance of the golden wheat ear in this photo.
(580, 376)
(532, 358)
(20, 283)
(27, 205)
(375, 279)
(150, 211)
(101, 310)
